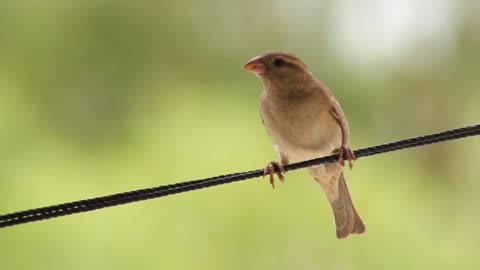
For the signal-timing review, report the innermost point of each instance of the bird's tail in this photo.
(347, 219)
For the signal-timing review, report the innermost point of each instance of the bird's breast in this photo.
(302, 129)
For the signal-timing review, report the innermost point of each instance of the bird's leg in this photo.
(277, 168)
(345, 151)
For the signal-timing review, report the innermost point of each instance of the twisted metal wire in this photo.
(161, 191)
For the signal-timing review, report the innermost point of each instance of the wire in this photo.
(161, 191)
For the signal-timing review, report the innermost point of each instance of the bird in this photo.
(305, 121)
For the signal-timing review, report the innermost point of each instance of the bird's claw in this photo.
(274, 168)
(345, 151)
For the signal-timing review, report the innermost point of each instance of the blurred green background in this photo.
(99, 97)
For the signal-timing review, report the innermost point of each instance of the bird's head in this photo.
(279, 70)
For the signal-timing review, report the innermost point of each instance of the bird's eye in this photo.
(278, 62)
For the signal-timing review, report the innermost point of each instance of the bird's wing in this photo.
(338, 114)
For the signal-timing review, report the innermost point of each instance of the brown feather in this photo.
(305, 121)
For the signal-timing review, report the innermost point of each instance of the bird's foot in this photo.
(345, 151)
(274, 168)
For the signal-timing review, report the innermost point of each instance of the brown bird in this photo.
(305, 121)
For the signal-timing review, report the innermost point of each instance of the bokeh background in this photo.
(99, 97)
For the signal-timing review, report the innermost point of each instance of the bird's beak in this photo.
(255, 65)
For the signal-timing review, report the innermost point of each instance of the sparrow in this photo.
(305, 121)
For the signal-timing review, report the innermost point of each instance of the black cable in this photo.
(160, 191)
